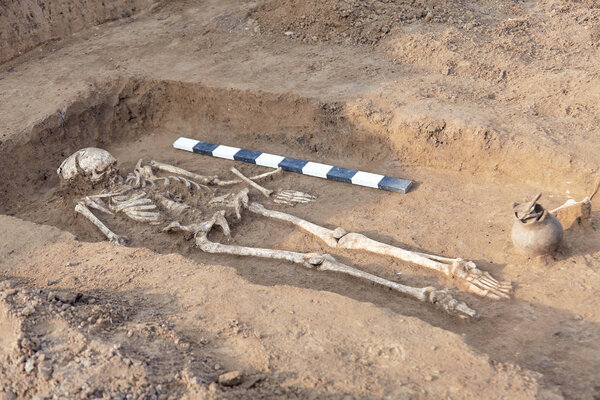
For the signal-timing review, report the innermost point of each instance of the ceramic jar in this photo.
(537, 236)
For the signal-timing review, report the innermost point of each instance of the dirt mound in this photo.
(353, 21)
(27, 24)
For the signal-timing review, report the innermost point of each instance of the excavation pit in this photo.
(452, 213)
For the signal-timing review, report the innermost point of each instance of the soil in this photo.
(481, 104)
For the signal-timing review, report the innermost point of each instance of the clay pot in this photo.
(537, 236)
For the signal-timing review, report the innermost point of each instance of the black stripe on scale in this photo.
(394, 184)
(248, 156)
(341, 174)
(292, 165)
(204, 148)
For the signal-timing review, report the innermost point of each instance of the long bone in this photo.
(96, 203)
(285, 197)
(114, 238)
(265, 192)
(206, 180)
(319, 262)
(466, 272)
(143, 174)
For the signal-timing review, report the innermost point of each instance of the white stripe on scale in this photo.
(225, 152)
(185, 144)
(316, 169)
(367, 179)
(268, 160)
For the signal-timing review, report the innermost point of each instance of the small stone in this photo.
(29, 365)
(45, 369)
(27, 311)
(217, 367)
(10, 292)
(129, 333)
(288, 33)
(231, 378)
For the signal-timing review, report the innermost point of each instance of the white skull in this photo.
(92, 164)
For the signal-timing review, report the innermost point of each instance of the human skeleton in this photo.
(144, 196)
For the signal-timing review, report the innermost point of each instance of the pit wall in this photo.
(120, 111)
(25, 24)
(454, 145)
(123, 110)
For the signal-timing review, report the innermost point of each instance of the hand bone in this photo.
(292, 197)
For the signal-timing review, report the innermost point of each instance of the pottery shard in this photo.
(231, 378)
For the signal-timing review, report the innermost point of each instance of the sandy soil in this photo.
(481, 104)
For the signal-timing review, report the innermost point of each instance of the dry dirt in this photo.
(480, 103)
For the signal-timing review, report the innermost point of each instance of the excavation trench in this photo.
(135, 119)
(449, 213)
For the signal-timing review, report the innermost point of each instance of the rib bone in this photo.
(466, 272)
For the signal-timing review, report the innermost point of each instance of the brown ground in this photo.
(481, 103)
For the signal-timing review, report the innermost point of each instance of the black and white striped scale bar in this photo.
(294, 165)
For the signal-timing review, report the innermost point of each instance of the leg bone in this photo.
(328, 263)
(476, 281)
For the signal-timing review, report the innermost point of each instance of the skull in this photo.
(93, 164)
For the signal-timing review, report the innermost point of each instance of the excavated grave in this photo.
(136, 119)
